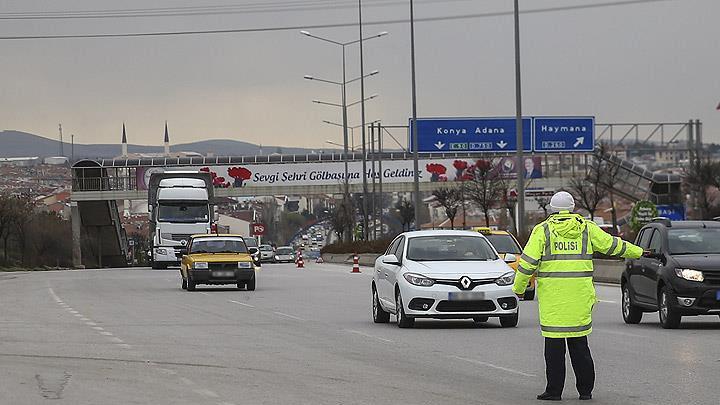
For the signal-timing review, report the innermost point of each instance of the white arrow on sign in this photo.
(439, 145)
(579, 142)
(502, 144)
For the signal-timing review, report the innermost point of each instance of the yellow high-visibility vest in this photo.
(560, 250)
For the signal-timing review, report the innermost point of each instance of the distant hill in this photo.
(17, 144)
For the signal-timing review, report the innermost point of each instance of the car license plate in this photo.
(223, 274)
(466, 296)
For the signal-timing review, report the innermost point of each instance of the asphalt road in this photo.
(306, 337)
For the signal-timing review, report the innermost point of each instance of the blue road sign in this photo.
(470, 135)
(673, 212)
(564, 134)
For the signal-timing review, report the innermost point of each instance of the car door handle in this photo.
(387, 275)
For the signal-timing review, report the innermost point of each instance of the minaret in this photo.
(124, 143)
(167, 141)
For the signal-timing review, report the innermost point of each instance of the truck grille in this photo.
(465, 306)
(179, 237)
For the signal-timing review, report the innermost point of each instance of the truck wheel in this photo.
(251, 284)
(190, 284)
(669, 317)
(631, 314)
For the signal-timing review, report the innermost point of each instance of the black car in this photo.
(678, 275)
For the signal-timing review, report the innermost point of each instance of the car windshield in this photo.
(218, 245)
(251, 242)
(449, 248)
(266, 248)
(694, 241)
(183, 212)
(284, 251)
(504, 243)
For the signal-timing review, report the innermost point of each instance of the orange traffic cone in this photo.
(356, 264)
(299, 261)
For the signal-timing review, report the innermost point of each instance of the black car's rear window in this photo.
(694, 241)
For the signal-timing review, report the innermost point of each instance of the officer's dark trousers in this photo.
(582, 364)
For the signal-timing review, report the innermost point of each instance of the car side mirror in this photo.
(510, 258)
(391, 259)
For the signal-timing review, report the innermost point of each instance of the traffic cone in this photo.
(299, 261)
(319, 260)
(356, 264)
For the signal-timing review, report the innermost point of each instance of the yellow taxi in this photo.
(217, 259)
(504, 242)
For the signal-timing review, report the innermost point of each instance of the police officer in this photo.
(560, 251)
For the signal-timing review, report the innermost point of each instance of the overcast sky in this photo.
(654, 62)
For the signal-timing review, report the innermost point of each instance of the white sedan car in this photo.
(443, 275)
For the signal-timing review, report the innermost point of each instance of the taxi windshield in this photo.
(218, 245)
(504, 243)
(449, 248)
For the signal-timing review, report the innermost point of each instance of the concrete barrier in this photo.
(606, 271)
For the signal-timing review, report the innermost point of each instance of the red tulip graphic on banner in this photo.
(240, 174)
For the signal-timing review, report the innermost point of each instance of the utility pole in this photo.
(519, 130)
(416, 165)
(362, 113)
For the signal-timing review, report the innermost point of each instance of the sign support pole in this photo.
(519, 166)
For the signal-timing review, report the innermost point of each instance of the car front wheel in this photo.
(631, 314)
(509, 321)
(402, 320)
(379, 314)
(251, 284)
(669, 317)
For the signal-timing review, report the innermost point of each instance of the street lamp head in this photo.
(382, 34)
(373, 96)
(374, 72)
(308, 77)
(305, 33)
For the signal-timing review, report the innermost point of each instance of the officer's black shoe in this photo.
(585, 397)
(548, 397)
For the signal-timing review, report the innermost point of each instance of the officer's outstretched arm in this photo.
(610, 245)
(529, 260)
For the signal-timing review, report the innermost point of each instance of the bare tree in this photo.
(699, 177)
(342, 220)
(484, 186)
(590, 190)
(450, 199)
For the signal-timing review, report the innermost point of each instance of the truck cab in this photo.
(181, 207)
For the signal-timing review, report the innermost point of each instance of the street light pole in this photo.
(362, 113)
(416, 165)
(519, 166)
(346, 194)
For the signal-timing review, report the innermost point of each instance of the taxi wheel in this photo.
(184, 284)
(190, 284)
(251, 284)
(509, 321)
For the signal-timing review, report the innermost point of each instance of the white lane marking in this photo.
(124, 345)
(206, 393)
(116, 340)
(226, 403)
(84, 319)
(90, 323)
(78, 315)
(357, 332)
(490, 365)
(74, 312)
(288, 316)
(52, 292)
(98, 328)
(243, 304)
(204, 293)
(105, 333)
(607, 302)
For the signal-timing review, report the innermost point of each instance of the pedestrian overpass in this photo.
(97, 185)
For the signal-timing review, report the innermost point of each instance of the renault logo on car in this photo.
(465, 282)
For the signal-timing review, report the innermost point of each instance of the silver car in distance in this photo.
(443, 275)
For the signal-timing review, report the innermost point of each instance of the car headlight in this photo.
(690, 274)
(277, 257)
(418, 280)
(244, 265)
(506, 279)
(200, 265)
(161, 251)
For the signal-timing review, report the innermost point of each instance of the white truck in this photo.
(180, 205)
